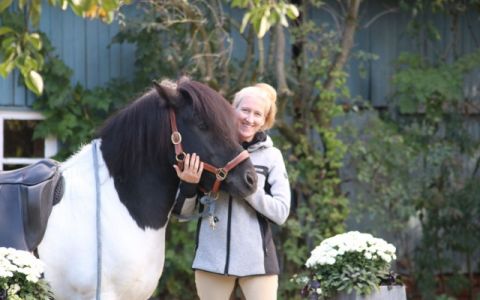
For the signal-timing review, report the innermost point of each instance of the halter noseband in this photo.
(220, 173)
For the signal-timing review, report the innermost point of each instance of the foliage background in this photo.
(406, 169)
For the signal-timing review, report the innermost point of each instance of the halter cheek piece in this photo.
(220, 173)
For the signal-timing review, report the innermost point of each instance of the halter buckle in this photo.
(176, 138)
(180, 157)
(221, 174)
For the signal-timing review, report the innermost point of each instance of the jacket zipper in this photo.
(262, 223)
(229, 228)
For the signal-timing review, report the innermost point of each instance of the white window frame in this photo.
(51, 145)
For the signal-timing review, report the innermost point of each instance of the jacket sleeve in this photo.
(186, 200)
(276, 204)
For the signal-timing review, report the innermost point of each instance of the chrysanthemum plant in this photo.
(21, 276)
(347, 262)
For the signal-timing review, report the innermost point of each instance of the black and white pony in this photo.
(138, 185)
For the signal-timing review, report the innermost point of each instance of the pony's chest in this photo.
(134, 265)
(132, 257)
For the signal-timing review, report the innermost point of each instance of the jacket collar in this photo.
(260, 140)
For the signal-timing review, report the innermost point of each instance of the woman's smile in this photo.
(251, 118)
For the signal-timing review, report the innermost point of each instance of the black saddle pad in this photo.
(27, 196)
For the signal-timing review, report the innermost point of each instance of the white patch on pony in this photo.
(133, 258)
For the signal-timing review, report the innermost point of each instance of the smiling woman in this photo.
(256, 110)
(241, 247)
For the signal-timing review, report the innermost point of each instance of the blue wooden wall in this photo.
(387, 37)
(84, 45)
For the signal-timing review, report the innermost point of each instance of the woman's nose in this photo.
(249, 118)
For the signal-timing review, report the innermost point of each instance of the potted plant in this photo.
(352, 265)
(21, 276)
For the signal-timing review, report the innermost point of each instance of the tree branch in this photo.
(287, 131)
(249, 56)
(379, 15)
(261, 57)
(280, 61)
(346, 44)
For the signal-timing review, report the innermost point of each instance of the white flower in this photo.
(350, 242)
(330, 261)
(5, 273)
(20, 273)
(347, 253)
(14, 288)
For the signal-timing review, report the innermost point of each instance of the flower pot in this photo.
(394, 292)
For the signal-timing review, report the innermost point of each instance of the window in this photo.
(17, 146)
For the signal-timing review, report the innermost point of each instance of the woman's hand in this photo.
(192, 169)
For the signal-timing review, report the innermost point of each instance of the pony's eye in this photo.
(202, 125)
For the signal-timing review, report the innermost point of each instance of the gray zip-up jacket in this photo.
(242, 243)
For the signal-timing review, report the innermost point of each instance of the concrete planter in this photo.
(394, 292)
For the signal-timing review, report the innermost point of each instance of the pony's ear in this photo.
(168, 91)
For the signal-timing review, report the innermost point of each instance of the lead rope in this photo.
(208, 201)
(97, 221)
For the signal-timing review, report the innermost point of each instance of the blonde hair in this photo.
(264, 92)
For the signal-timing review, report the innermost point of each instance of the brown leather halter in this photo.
(220, 173)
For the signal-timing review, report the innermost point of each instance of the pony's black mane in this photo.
(139, 135)
(135, 135)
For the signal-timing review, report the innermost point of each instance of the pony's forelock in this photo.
(212, 108)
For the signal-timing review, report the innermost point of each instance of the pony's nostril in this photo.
(251, 178)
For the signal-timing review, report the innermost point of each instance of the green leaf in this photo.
(64, 4)
(35, 40)
(5, 30)
(77, 9)
(9, 43)
(34, 82)
(292, 11)
(110, 4)
(283, 20)
(6, 67)
(109, 17)
(35, 11)
(21, 3)
(264, 26)
(4, 4)
(239, 3)
(30, 64)
(245, 20)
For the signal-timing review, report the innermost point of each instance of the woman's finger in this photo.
(187, 161)
(196, 163)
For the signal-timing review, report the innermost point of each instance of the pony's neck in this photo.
(148, 196)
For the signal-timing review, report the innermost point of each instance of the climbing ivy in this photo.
(73, 112)
(418, 163)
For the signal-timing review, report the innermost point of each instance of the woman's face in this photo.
(250, 117)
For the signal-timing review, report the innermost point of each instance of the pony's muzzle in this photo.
(251, 179)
